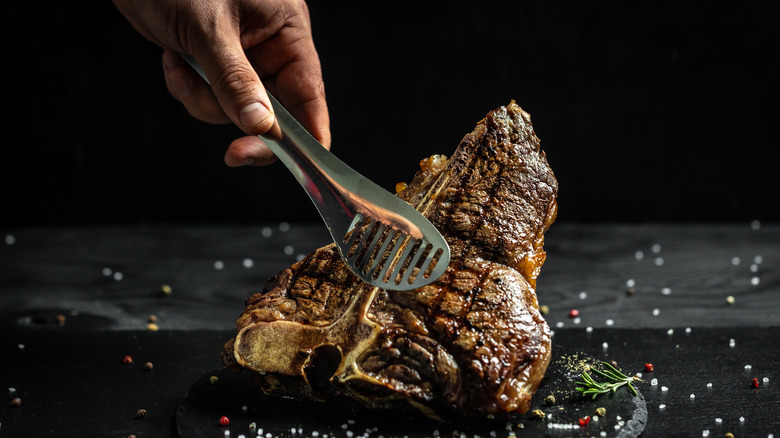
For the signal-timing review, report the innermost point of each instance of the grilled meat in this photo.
(472, 342)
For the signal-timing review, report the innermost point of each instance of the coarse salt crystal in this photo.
(289, 250)
(659, 261)
(705, 433)
(755, 224)
(559, 324)
(670, 332)
(662, 406)
(284, 226)
(656, 248)
(718, 420)
(266, 232)
(758, 259)
(654, 382)
(107, 272)
(610, 322)
(10, 239)
(219, 264)
(709, 385)
(754, 268)
(589, 329)
(664, 389)
(687, 329)
(693, 396)
(248, 263)
(741, 419)
(735, 261)
(118, 276)
(656, 311)
(666, 291)
(732, 342)
(604, 345)
(639, 255)
(630, 282)
(765, 379)
(576, 320)
(748, 367)
(583, 295)
(755, 281)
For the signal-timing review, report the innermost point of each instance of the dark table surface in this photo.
(699, 301)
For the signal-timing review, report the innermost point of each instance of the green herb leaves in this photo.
(614, 380)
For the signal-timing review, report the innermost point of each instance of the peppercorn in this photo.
(649, 367)
(152, 318)
(224, 421)
(127, 360)
(141, 413)
(537, 414)
(60, 319)
(550, 399)
(16, 402)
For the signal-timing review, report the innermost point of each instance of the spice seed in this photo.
(16, 402)
(140, 414)
(149, 366)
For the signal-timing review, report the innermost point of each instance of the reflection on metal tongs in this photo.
(382, 239)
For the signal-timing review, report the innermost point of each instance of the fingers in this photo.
(249, 151)
(186, 86)
(237, 88)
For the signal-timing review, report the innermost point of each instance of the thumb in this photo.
(239, 90)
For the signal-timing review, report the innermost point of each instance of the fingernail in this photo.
(253, 114)
(248, 162)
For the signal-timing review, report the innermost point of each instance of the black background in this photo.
(648, 111)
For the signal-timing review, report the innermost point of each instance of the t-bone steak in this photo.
(473, 342)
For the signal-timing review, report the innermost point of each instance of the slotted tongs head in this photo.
(382, 239)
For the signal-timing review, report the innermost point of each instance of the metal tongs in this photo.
(382, 239)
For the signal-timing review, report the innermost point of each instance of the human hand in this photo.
(243, 46)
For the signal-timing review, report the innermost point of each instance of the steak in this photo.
(473, 342)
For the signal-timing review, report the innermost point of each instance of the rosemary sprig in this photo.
(614, 380)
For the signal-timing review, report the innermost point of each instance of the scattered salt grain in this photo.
(664, 389)
(654, 382)
(758, 259)
(705, 433)
(610, 322)
(227, 433)
(21, 346)
(741, 419)
(639, 255)
(693, 396)
(709, 386)
(107, 272)
(748, 367)
(118, 276)
(656, 248)
(732, 343)
(656, 312)
(666, 291)
(630, 282)
(753, 268)
(589, 329)
(559, 324)
(605, 345)
(755, 281)
(289, 250)
(284, 227)
(219, 264)
(765, 379)
(687, 329)
(10, 239)
(242, 436)
(12, 390)
(755, 224)
(583, 295)
(659, 261)
(718, 421)
(576, 320)
(735, 261)
(670, 332)
(248, 263)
